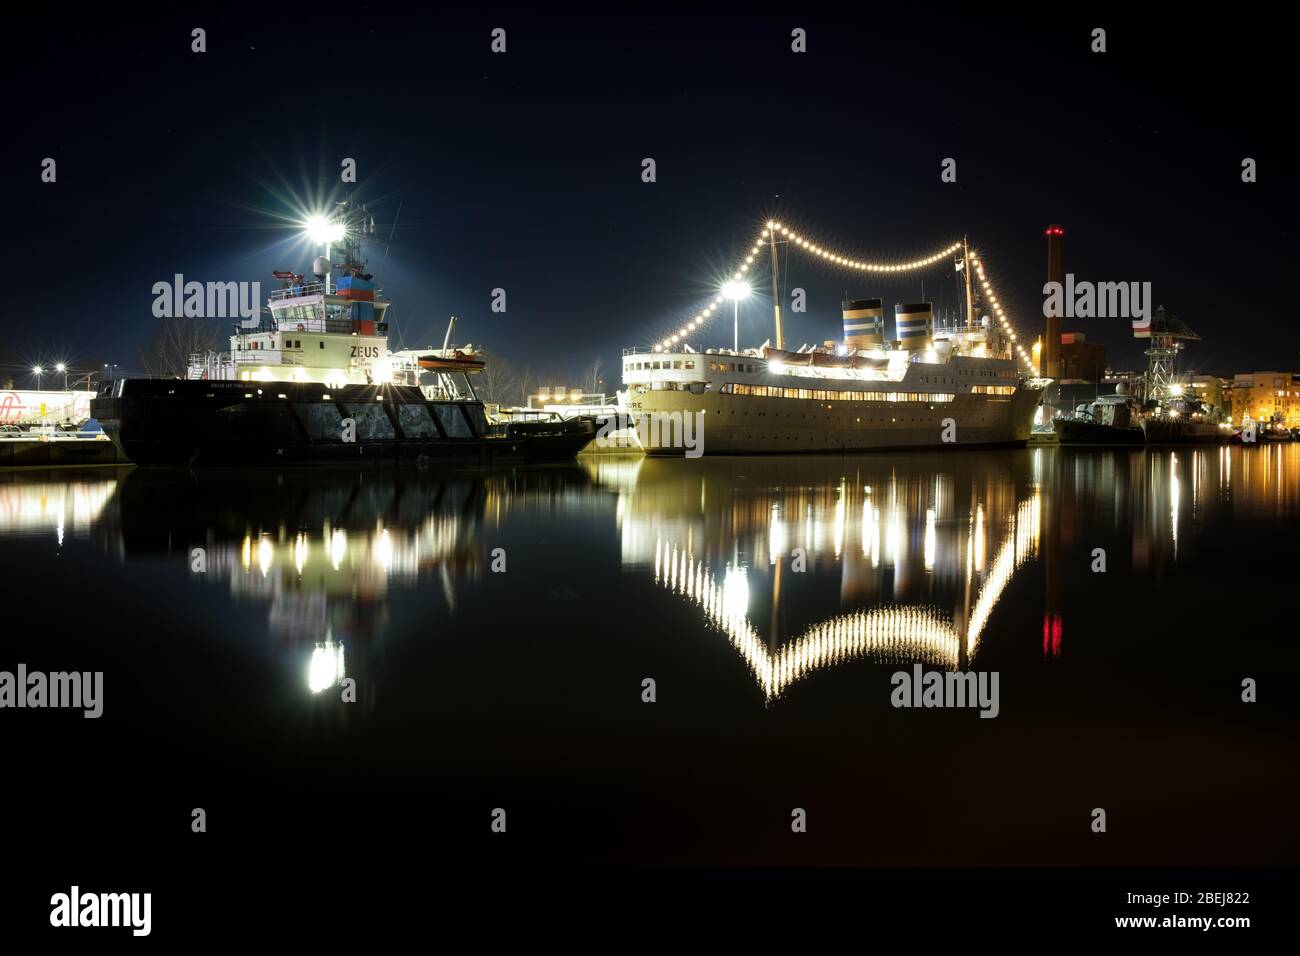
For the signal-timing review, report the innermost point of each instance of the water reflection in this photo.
(61, 502)
(322, 548)
(799, 564)
(917, 556)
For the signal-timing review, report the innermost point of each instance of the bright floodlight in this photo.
(36, 369)
(60, 367)
(320, 230)
(736, 289)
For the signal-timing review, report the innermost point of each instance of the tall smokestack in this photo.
(1049, 360)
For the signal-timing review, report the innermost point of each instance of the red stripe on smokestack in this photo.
(1049, 361)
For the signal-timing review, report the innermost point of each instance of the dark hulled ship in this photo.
(317, 383)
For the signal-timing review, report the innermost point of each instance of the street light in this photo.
(735, 290)
(38, 372)
(64, 369)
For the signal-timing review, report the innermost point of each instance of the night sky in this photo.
(523, 170)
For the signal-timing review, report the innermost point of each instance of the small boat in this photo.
(1107, 421)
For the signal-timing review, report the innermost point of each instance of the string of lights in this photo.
(772, 229)
(991, 298)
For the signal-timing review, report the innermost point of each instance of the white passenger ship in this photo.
(932, 385)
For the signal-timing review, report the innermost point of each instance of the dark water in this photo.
(522, 689)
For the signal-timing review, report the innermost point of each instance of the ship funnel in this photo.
(914, 325)
(864, 323)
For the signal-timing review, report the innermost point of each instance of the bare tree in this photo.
(167, 353)
(499, 382)
(527, 384)
(593, 380)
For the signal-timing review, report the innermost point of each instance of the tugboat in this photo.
(1110, 420)
(317, 383)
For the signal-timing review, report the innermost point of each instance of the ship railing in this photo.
(638, 350)
(51, 433)
(212, 365)
(284, 323)
(267, 357)
(297, 291)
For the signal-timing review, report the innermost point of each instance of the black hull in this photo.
(1073, 431)
(199, 424)
(1166, 432)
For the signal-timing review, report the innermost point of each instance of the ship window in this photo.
(322, 420)
(372, 421)
(415, 421)
(476, 415)
(452, 421)
(677, 365)
(322, 343)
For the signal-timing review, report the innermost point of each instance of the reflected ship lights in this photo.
(889, 632)
(325, 669)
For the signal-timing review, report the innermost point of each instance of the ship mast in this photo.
(970, 304)
(776, 291)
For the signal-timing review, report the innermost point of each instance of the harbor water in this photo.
(662, 661)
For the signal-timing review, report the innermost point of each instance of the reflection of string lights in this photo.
(889, 633)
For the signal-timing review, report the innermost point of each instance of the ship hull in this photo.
(201, 423)
(728, 424)
(1163, 431)
(1073, 431)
